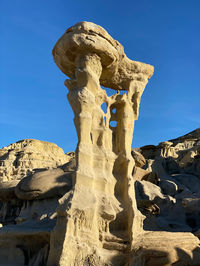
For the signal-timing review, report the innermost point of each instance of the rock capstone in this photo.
(102, 201)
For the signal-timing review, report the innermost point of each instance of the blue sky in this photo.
(164, 33)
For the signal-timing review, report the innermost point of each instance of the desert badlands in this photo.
(106, 203)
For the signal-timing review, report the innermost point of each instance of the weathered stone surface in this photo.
(138, 157)
(176, 156)
(177, 164)
(21, 158)
(44, 184)
(82, 208)
(117, 71)
(156, 200)
(7, 190)
(25, 244)
(165, 249)
(28, 201)
(102, 200)
(168, 187)
(139, 173)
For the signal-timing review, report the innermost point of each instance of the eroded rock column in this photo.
(98, 220)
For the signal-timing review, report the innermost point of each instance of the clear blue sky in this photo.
(164, 33)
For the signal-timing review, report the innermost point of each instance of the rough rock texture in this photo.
(45, 184)
(28, 205)
(165, 249)
(83, 210)
(90, 58)
(21, 158)
(28, 215)
(138, 158)
(27, 223)
(98, 219)
(177, 191)
(116, 71)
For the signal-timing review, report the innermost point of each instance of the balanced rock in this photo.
(107, 204)
(100, 213)
(88, 38)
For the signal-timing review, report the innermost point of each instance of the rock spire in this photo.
(99, 216)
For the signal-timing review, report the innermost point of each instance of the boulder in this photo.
(140, 161)
(7, 190)
(44, 184)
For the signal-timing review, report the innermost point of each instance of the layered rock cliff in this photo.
(26, 156)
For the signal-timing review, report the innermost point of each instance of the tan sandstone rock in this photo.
(82, 208)
(21, 158)
(166, 249)
(99, 216)
(138, 157)
(98, 219)
(177, 163)
(44, 184)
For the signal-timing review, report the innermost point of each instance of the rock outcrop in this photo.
(25, 156)
(108, 204)
(44, 184)
(171, 204)
(28, 212)
(177, 191)
(100, 215)
(34, 175)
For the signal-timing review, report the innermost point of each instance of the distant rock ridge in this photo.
(25, 156)
(176, 164)
(182, 152)
(193, 135)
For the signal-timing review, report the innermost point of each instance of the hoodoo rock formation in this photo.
(99, 220)
(110, 204)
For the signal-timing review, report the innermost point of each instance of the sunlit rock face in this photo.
(25, 156)
(100, 215)
(34, 175)
(107, 204)
(170, 208)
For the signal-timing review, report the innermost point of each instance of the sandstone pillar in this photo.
(98, 220)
